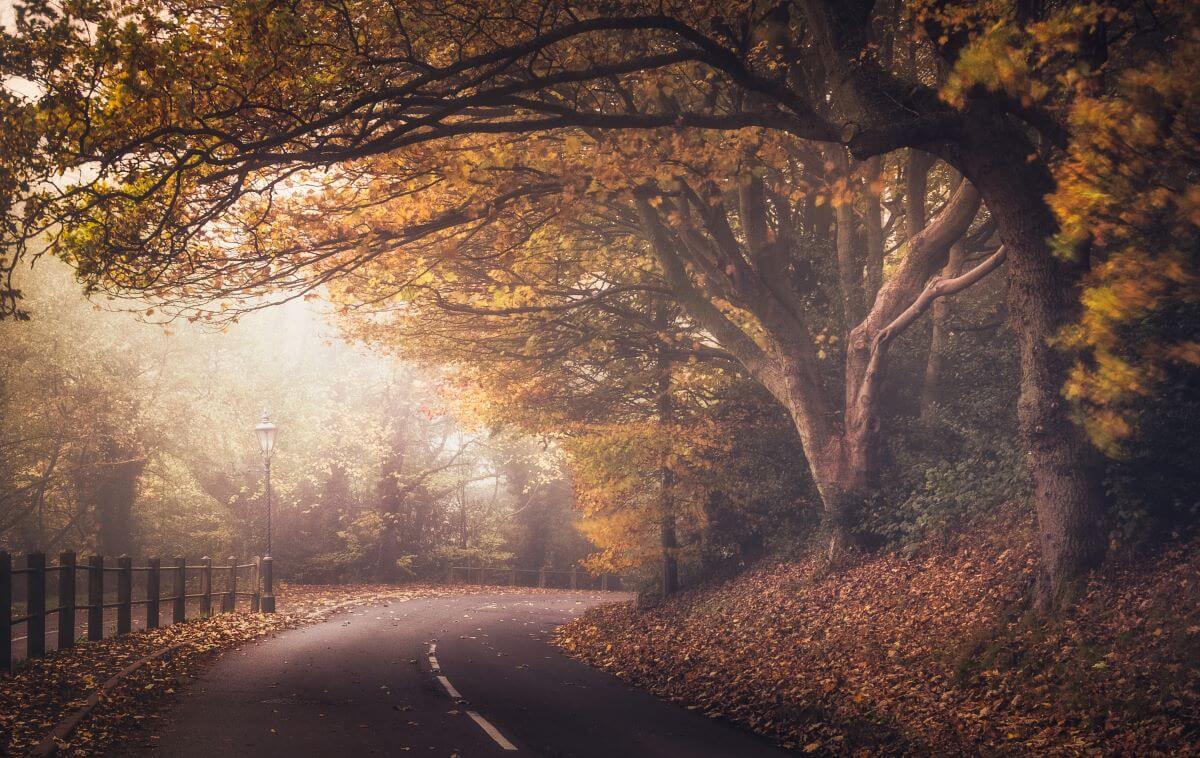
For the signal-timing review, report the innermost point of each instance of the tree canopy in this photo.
(580, 203)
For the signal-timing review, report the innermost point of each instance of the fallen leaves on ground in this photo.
(934, 654)
(41, 692)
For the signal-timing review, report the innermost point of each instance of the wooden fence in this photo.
(572, 578)
(30, 595)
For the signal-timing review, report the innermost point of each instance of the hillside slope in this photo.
(933, 653)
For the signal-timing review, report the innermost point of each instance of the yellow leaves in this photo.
(842, 193)
(1028, 63)
(1189, 206)
(1186, 352)
(996, 60)
(1121, 196)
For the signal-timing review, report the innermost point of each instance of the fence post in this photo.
(254, 585)
(152, 592)
(124, 594)
(450, 574)
(574, 577)
(96, 598)
(179, 611)
(36, 604)
(206, 586)
(268, 573)
(66, 600)
(5, 611)
(229, 603)
(604, 582)
(542, 577)
(512, 578)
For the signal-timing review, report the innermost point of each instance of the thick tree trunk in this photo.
(389, 540)
(842, 476)
(1043, 298)
(916, 186)
(464, 531)
(850, 262)
(391, 503)
(841, 466)
(1064, 466)
(842, 453)
(668, 539)
(116, 490)
(998, 157)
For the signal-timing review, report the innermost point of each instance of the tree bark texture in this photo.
(1043, 298)
(668, 539)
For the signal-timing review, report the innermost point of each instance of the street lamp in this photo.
(265, 431)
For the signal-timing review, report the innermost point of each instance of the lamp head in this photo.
(265, 432)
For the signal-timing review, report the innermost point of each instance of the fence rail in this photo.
(33, 590)
(573, 578)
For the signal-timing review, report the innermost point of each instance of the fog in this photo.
(127, 433)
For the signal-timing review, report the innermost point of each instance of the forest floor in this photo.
(42, 692)
(932, 654)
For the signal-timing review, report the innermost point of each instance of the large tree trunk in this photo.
(116, 490)
(1043, 298)
(850, 263)
(392, 501)
(464, 532)
(842, 472)
(668, 539)
(916, 187)
(531, 552)
(998, 157)
(842, 452)
(841, 465)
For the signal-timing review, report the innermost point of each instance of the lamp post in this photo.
(265, 431)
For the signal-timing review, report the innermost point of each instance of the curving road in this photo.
(455, 676)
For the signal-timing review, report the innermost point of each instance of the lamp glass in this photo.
(266, 435)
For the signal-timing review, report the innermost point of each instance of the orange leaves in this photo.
(1030, 62)
(929, 655)
(1122, 195)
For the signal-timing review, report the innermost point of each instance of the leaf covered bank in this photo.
(930, 654)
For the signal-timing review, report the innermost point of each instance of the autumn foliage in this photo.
(738, 279)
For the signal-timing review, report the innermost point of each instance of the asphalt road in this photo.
(468, 676)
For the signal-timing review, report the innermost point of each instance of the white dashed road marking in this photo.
(492, 731)
(449, 688)
(484, 724)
